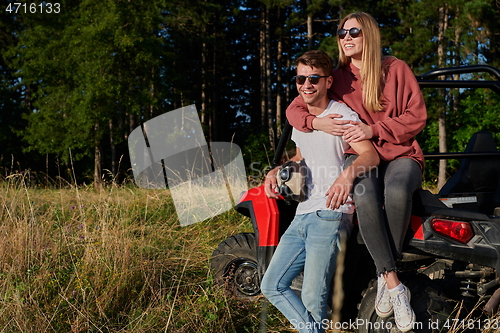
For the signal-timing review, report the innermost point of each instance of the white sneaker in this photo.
(403, 313)
(383, 305)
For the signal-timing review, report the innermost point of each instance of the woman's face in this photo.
(352, 46)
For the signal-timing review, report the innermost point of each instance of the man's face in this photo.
(313, 94)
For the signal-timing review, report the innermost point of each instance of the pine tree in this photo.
(90, 67)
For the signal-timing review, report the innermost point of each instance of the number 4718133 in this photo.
(33, 8)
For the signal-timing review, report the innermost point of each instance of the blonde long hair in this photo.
(372, 74)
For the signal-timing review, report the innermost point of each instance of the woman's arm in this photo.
(404, 114)
(299, 117)
(408, 113)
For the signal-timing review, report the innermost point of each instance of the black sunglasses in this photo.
(314, 79)
(354, 32)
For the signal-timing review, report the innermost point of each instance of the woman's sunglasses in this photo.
(354, 32)
(314, 79)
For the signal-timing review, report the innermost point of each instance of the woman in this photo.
(386, 95)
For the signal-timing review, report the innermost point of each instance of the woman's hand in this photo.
(329, 124)
(359, 132)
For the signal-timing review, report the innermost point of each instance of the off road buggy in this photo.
(452, 252)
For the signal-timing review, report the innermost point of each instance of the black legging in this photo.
(383, 199)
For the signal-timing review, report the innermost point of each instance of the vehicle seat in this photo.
(477, 176)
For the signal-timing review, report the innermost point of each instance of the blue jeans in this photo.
(310, 244)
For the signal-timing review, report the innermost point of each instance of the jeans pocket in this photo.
(328, 215)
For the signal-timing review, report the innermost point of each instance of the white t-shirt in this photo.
(324, 157)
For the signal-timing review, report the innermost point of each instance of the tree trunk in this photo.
(207, 96)
(443, 25)
(455, 92)
(113, 149)
(309, 28)
(97, 162)
(279, 89)
(214, 122)
(131, 123)
(288, 89)
(151, 107)
(204, 107)
(262, 56)
(270, 111)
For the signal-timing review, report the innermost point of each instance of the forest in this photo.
(77, 77)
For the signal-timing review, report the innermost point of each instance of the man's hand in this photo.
(329, 124)
(338, 193)
(359, 132)
(270, 184)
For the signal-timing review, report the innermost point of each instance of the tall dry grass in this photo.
(73, 259)
(76, 260)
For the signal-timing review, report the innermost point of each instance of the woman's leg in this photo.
(402, 177)
(369, 201)
(397, 181)
(383, 199)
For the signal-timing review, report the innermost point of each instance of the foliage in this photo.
(78, 82)
(480, 113)
(256, 152)
(11, 100)
(81, 66)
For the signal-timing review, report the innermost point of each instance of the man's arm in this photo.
(270, 183)
(367, 160)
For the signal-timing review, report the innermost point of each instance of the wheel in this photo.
(431, 308)
(234, 263)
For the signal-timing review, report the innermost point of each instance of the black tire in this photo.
(234, 263)
(432, 309)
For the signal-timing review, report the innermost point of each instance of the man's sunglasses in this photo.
(354, 32)
(314, 79)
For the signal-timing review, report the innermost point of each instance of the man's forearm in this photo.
(362, 164)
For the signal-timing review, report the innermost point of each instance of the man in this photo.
(310, 243)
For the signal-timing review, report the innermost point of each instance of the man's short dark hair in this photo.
(316, 58)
